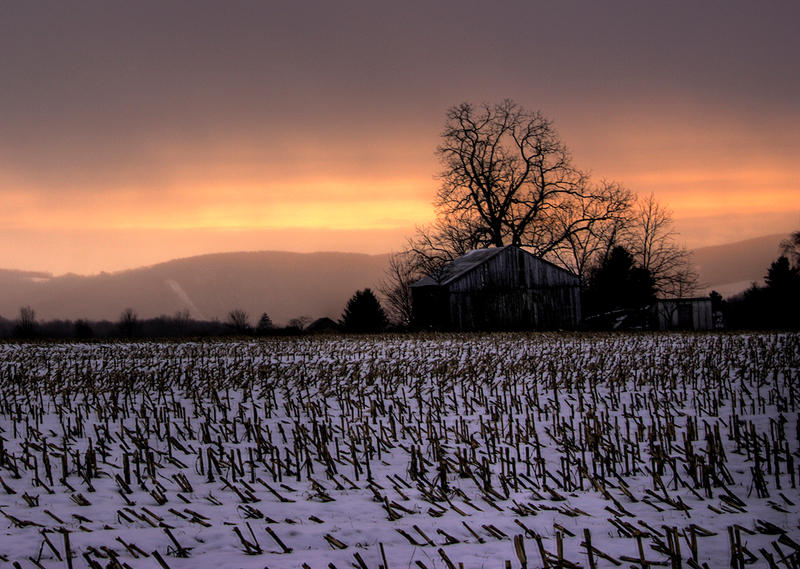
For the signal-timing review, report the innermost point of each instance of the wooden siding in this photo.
(513, 268)
(512, 290)
(685, 314)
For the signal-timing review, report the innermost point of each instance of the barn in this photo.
(503, 288)
(683, 314)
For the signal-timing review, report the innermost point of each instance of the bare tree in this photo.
(396, 287)
(435, 245)
(505, 175)
(27, 317)
(652, 239)
(238, 320)
(128, 322)
(300, 322)
(791, 248)
(507, 179)
(26, 325)
(591, 225)
(181, 320)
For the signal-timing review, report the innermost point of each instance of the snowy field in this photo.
(495, 451)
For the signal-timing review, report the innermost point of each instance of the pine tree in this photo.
(782, 294)
(781, 276)
(363, 313)
(618, 283)
(264, 324)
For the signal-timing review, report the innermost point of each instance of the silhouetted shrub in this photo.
(83, 330)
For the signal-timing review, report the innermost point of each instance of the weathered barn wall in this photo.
(430, 307)
(684, 314)
(511, 289)
(513, 268)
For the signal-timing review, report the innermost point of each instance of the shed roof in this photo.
(461, 266)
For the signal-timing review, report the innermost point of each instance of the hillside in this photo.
(731, 268)
(284, 285)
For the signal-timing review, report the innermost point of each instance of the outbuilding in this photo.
(502, 288)
(684, 314)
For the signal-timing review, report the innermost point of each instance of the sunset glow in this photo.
(271, 129)
(320, 204)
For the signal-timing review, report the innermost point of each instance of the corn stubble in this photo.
(547, 450)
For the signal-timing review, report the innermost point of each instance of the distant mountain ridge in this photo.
(282, 284)
(731, 268)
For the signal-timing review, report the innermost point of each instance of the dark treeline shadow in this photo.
(147, 328)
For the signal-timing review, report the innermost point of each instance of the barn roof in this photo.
(461, 266)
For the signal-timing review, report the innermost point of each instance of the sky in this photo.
(136, 132)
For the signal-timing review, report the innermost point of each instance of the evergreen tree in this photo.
(264, 324)
(781, 276)
(782, 294)
(776, 305)
(617, 283)
(717, 302)
(363, 313)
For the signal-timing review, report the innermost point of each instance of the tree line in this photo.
(363, 313)
(774, 305)
(617, 282)
(128, 325)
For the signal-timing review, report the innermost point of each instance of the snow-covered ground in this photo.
(402, 452)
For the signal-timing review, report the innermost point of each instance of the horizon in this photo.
(283, 284)
(53, 275)
(135, 135)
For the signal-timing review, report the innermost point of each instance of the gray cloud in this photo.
(93, 91)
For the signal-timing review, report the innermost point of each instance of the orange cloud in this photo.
(320, 203)
(718, 191)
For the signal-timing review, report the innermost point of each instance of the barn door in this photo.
(685, 319)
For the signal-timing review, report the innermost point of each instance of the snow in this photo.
(485, 406)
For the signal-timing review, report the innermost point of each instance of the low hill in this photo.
(284, 285)
(731, 268)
